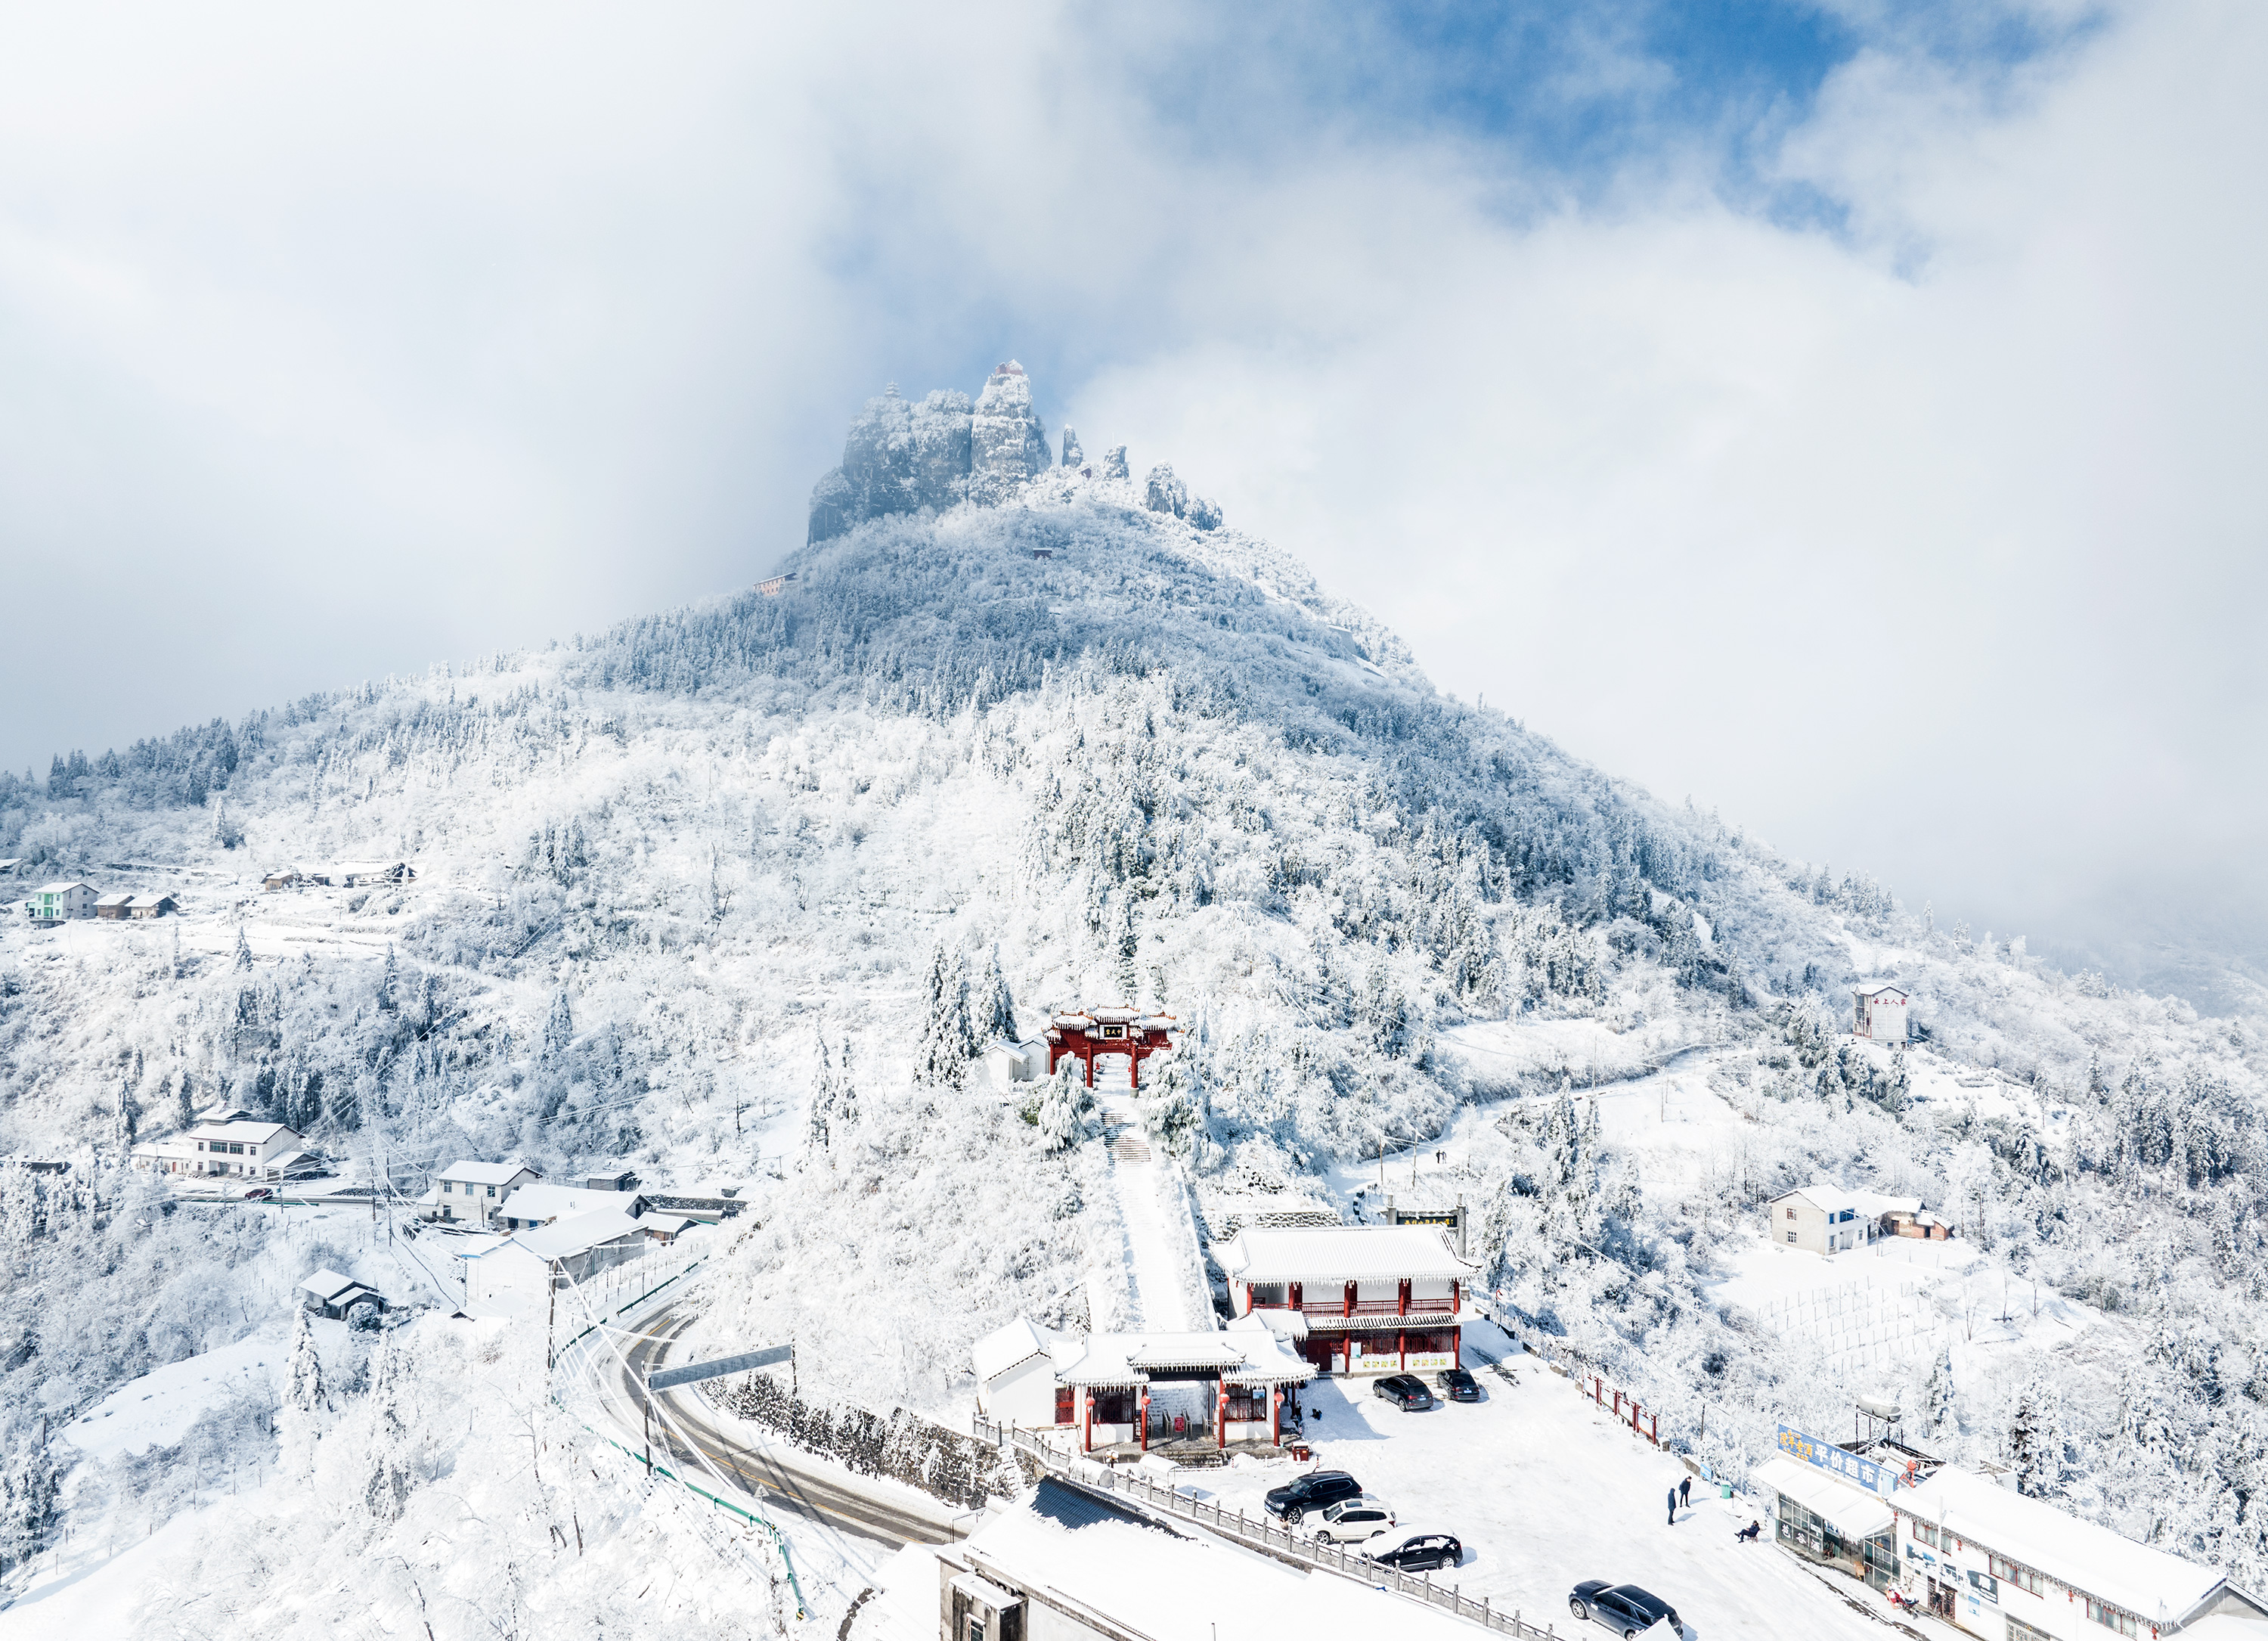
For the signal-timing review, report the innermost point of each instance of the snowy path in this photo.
(1155, 1283)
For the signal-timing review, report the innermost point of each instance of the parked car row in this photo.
(1344, 1515)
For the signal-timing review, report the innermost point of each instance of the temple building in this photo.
(1100, 1032)
(1353, 1298)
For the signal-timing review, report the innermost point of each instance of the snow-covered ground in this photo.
(1155, 1281)
(1544, 1490)
(157, 1409)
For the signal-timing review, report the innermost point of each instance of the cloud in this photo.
(1871, 453)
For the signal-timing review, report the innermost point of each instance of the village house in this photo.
(1997, 1564)
(1007, 1062)
(538, 1203)
(328, 1293)
(468, 1192)
(514, 1271)
(60, 902)
(1123, 1394)
(233, 1145)
(1879, 1012)
(1072, 1564)
(287, 877)
(371, 874)
(1353, 1298)
(614, 1178)
(1826, 1219)
(146, 907)
(112, 907)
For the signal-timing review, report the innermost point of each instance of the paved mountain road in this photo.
(780, 1478)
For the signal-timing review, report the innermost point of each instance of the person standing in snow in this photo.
(1685, 1491)
(1673, 1507)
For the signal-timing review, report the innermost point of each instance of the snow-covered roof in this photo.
(1833, 1199)
(1875, 988)
(62, 889)
(1341, 1254)
(2155, 1585)
(117, 899)
(665, 1225)
(328, 1285)
(564, 1238)
(540, 1201)
(1855, 1513)
(486, 1173)
(1249, 1354)
(358, 868)
(1009, 1347)
(248, 1133)
(149, 901)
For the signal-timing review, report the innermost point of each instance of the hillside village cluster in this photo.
(70, 899)
(1392, 1307)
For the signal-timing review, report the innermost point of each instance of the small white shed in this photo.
(1007, 1062)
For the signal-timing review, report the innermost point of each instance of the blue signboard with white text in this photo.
(1875, 1478)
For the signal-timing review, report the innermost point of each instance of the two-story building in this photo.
(1123, 1394)
(1354, 1299)
(1823, 1218)
(1997, 1564)
(242, 1149)
(469, 1193)
(1879, 1011)
(60, 902)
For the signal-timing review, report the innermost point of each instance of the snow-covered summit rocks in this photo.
(902, 457)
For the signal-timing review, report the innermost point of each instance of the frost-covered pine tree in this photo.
(833, 1101)
(1172, 1109)
(130, 1117)
(992, 1010)
(2034, 1441)
(947, 1037)
(1939, 1395)
(243, 948)
(299, 1421)
(387, 1472)
(1067, 1108)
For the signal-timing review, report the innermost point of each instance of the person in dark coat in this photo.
(1685, 1491)
(1673, 1507)
(1748, 1533)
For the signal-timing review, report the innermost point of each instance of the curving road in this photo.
(784, 1480)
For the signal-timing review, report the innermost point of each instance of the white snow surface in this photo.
(157, 1409)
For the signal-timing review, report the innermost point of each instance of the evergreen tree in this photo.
(130, 1117)
(1067, 1111)
(993, 1010)
(387, 1474)
(1172, 1109)
(833, 1102)
(243, 948)
(1938, 1394)
(2034, 1442)
(298, 1420)
(947, 1037)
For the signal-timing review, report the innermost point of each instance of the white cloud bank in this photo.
(338, 342)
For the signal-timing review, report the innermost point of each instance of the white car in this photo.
(1353, 1520)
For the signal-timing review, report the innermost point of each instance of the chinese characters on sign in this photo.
(1873, 1477)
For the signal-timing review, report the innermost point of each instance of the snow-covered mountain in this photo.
(1021, 734)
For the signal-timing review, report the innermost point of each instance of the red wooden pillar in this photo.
(1089, 1444)
(1291, 1291)
(1346, 1303)
(1220, 1421)
(1276, 1416)
(1088, 1058)
(1456, 1296)
(1142, 1412)
(1401, 1296)
(1402, 1343)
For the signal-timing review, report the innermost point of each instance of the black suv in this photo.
(1414, 1552)
(1312, 1491)
(1623, 1608)
(1405, 1391)
(1460, 1385)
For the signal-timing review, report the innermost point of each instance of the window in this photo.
(2111, 1618)
(1791, 1213)
(1065, 1405)
(1925, 1533)
(1114, 1407)
(2019, 1630)
(491, 1190)
(1791, 1236)
(2014, 1572)
(447, 1186)
(1247, 1402)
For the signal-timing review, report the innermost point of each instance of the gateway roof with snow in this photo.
(1341, 1254)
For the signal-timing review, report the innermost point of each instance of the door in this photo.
(1941, 1598)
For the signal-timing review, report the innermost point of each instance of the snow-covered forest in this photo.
(739, 889)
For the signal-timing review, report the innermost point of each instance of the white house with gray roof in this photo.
(469, 1193)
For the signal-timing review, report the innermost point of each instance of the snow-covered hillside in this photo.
(1107, 751)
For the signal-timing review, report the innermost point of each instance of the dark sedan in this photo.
(1623, 1608)
(1460, 1385)
(1417, 1551)
(1405, 1391)
(1296, 1500)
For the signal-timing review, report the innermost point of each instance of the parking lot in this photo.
(1543, 1491)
